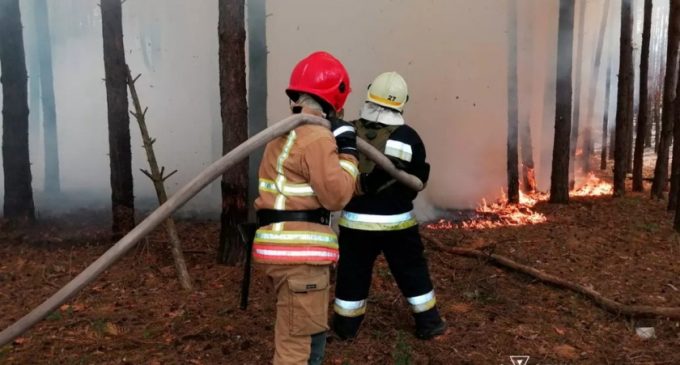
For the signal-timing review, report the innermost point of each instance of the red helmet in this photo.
(323, 76)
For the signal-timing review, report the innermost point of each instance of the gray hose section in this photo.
(158, 216)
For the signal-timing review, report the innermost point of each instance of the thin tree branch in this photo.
(145, 172)
(170, 174)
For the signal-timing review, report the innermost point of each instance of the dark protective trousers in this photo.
(403, 251)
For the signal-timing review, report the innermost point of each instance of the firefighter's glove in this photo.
(375, 181)
(345, 136)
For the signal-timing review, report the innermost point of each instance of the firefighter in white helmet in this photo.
(379, 219)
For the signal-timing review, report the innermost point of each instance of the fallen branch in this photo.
(604, 302)
(156, 176)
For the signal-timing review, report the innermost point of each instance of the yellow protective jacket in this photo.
(302, 171)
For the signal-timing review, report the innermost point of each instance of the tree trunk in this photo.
(631, 129)
(232, 37)
(624, 112)
(675, 165)
(676, 223)
(18, 204)
(643, 110)
(605, 120)
(612, 141)
(528, 184)
(559, 177)
(654, 65)
(115, 69)
(257, 82)
(662, 56)
(576, 117)
(51, 150)
(513, 157)
(33, 64)
(668, 112)
(657, 123)
(592, 92)
(657, 116)
(648, 128)
(528, 166)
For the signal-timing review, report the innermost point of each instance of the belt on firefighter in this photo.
(376, 222)
(266, 217)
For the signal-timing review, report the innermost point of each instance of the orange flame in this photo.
(592, 186)
(508, 214)
(501, 213)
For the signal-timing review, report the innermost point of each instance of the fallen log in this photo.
(607, 304)
(188, 191)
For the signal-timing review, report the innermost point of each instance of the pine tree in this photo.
(232, 37)
(120, 155)
(559, 178)
(16, 162)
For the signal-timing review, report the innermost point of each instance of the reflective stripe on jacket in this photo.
(375, 222)
(302, 171)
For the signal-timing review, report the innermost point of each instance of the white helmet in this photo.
(389, 90)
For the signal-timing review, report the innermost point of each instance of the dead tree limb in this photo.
(156, 176)
(609, 305)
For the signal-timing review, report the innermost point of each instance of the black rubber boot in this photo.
(318, 349)
(346, 328)
(429, 324)
(431, 332)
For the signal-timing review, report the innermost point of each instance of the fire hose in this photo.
(158, 216)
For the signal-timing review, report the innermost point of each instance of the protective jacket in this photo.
(302, 171)
(390, 206)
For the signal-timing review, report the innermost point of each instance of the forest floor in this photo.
(136, 312)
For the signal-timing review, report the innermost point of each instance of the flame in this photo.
(502, 214)
(592, 186)
(528, 179)
(442, 224)
(508, 214)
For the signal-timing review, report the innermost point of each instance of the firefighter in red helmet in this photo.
(303, 176)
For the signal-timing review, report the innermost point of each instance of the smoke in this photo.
(453, 54)
(173, 44)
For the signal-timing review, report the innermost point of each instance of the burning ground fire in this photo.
(593, 186)
(502, 214)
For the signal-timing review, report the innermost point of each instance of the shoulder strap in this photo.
(377, 135)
